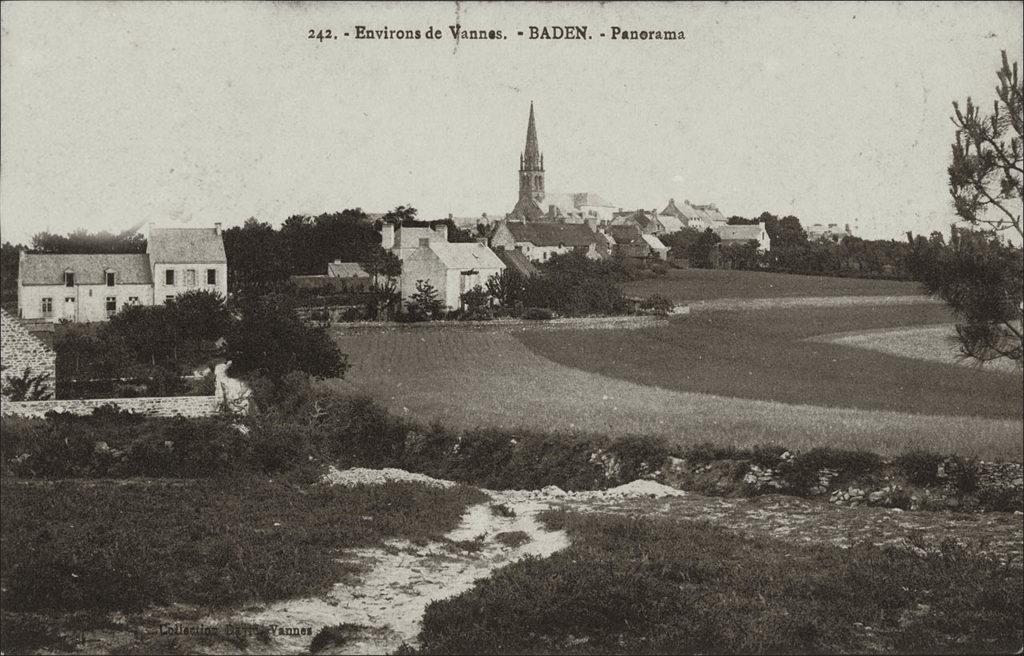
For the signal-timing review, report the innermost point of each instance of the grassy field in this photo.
(597, 382)
(123, 545)
(762, 355)
(659, 585)
(682, 285)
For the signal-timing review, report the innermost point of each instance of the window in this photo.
(168, 298)
(190, 278)
(47, 306)
(211, 276)
(111, 306)
(133, 300)
(169, 277)
(110, 278)
(69, 278)
(69, 299)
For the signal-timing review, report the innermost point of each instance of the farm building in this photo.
(649, 223)
(517, 261)
(24, 353)
(630, 242)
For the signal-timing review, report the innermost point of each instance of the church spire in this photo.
(531, 156)
(531, 168)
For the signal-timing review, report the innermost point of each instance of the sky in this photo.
(113, 114)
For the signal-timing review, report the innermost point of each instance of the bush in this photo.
(270, 338)
(657, 304)
(538, 314)
(920, 467)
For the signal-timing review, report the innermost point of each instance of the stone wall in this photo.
(19, 350)
(231, 395)
(155, 406)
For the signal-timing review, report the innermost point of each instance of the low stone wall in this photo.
(231, 396)
(155, 406)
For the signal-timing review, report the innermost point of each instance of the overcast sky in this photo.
(113, 114)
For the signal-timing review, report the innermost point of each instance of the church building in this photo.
(537, 204)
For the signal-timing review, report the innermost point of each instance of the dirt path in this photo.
(388, 603)
(805, 301)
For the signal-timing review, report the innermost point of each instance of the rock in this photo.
(553, 491)
(952, 502)
(877, 496)
(644, 488)
(1017, 482)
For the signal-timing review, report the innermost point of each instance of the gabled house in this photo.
(630, 242)
(539, 241)
(451, 268)
(743, 234)
(699, 217)
(649, 223)
(95, 286)
(516, 261)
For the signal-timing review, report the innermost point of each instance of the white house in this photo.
(451, 268)
(93, 287)
(741, 234)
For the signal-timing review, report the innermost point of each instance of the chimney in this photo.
(216, 229)
(442, 230)
(387, 236)
(482, 241)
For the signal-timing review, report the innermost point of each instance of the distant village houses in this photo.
(93, 287)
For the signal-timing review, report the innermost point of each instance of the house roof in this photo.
(671, 223)
(346, 270)
(517, 261)
(654, 243)
(472, 255)
(185, 245)
(89, 269)
(739, 232)
(625, 234)
(553, 234)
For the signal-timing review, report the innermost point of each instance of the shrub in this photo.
(920, 467)
(657, 304)
(333, 636)
(270, 338)
(538, 314)
(27, 386)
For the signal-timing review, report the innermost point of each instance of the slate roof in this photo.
(517, 261)
(346, 270)
(89, 269)
(553, 234)
(625, 234)
(655, 243)
(472, 255)
(591, 199)
(185, 245)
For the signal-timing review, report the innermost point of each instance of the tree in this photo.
(256, 258)
(507, 287)
(426, 299)
(477, 304)
(980, 275)
(270, 339)
(987, 172)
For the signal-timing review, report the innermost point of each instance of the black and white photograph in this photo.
(511, 327)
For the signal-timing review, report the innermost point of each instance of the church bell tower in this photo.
(531, 165)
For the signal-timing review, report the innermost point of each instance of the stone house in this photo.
(538, 241)
(95, 286)
(631, 242)
(23, 351)
(699, 217)
(451, 268)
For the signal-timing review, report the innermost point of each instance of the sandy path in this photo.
(390, 600)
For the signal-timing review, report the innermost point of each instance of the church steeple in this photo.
(531, 164)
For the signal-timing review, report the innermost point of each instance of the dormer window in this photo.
(109, 278)
(69, 278)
